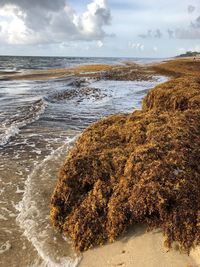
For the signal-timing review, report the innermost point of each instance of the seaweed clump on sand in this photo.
(177, 94)
(139, 167)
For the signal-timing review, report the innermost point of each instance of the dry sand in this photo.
(139, 248)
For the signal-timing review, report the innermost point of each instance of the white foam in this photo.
(123, 100)
(5, 247)
(33, 215)
(14, 128)
(19, 191)
(9, 132)
(2, 190)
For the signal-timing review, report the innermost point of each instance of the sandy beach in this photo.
(142, 249)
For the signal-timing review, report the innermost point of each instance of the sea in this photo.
(39, 122)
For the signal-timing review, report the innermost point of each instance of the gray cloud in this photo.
(48, 21)
(34, 4)
(170, 33)
(152, 34)
(146, 35)
(188, 33)
(142, 35)
(191, 9)
(192, 32)
(158, 34)
(196, 23)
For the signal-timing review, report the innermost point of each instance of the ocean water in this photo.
(39, 122)
(18, 63)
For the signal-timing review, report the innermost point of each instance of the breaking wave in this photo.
(27, 115)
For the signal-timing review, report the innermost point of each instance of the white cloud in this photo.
(136, 46)
(34, 22)
(91, 21)
(182, 50)
(99, 44)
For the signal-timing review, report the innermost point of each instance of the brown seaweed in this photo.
(141, 167)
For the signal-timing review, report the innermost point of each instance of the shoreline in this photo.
(127, 244)
(93, 71)
(181, 72)
(127, 70)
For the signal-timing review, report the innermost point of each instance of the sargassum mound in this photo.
(135, 168)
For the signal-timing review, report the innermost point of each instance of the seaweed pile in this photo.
(178, 68)
(177, 94)
(128, 72)
(141, 167)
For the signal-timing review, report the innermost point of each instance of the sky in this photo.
(112, 28)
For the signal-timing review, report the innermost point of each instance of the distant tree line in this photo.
(190, 54)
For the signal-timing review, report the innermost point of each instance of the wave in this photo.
(12, 126)
(33, 216)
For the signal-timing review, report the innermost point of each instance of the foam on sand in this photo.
(5, 247)
(33, 216)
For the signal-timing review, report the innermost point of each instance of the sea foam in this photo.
(33, 217)
(12, 129)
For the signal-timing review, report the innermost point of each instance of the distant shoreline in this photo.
(166, 67)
